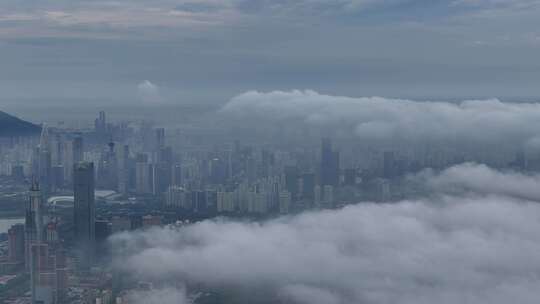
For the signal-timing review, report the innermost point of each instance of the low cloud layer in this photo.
(481, 179)
(474, 121)
(452, 250)
(149, 93)
(159, 296)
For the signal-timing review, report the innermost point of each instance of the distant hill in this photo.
(11, 126)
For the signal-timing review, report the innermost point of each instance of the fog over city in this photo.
(474, 246)
(269, 151)
(447, 251)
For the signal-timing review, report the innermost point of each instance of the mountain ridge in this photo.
(11, 126)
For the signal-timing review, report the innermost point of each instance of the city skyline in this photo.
(269, 151)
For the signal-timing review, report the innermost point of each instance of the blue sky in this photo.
(70, 52)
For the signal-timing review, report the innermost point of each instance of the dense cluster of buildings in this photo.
(155, 178)
(37, 247)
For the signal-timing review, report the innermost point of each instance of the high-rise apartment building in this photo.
(16, 243)
(33, 225)
(84, 212)
(329, 164)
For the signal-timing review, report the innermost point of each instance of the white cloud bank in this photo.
(159, 296)
(475, 121)
(149, 92)
(453, 250)
(481, 179)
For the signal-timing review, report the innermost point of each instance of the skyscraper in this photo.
(36, 250)
(329, 164)
(177, 175)
(143, 175)
(42, 291)
(284, 202)
(160, 138)
(84, 213)
(16, 243)
(57, 178)
(291, 181)
(74, 154)
(45, 162)
(100, 123)
(58, 150)
(108, 169)
(161, 178)
(308, 186)
(77, 149)
(388, 164)
(33, 225)
(123, 170)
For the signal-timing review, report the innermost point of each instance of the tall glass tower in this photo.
(84, 213)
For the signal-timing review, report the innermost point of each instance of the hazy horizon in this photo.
(205, 52)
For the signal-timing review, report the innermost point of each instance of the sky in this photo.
(78, 53)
